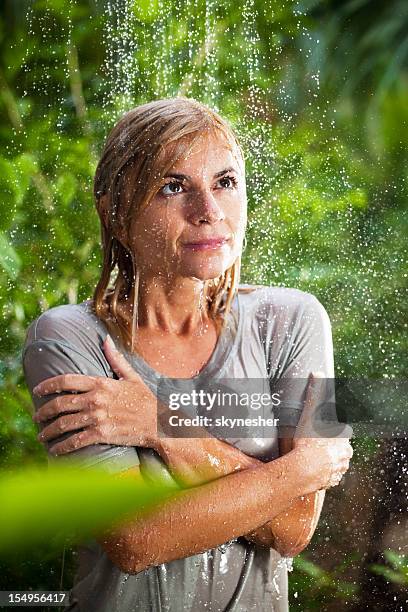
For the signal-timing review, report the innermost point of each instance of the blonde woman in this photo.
(171, 196)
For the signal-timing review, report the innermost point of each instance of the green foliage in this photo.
(398, 572)
(312, 587)
(67, 504)
(326, 178)
(318, 92)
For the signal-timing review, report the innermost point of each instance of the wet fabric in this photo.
(273, 333)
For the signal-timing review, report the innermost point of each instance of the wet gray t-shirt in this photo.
(273, 333)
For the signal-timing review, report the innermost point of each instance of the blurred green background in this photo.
(318, 92)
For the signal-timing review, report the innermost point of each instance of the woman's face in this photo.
(194, 226)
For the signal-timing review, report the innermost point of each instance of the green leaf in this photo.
(388, 574)
(66, 187)
(398, 561)
(9, 192)
(310, 568)
(68, 502)
(25, 165)
(9, 259)
(146, 11)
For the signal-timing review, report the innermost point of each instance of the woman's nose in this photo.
(205, 207)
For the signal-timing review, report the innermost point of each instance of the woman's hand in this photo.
(328, 456)
(121, 412)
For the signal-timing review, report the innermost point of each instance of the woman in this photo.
(170, 193)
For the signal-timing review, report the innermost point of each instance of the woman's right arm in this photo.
(229, 507)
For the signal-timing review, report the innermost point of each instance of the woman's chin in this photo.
(205, 272)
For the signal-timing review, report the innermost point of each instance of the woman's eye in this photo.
(231, 180)
(170, 186)
(174, 187)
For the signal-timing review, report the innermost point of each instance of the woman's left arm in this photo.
(200, 460)
(291, 531)
(310, 349)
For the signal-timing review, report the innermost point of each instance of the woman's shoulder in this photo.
(278, 299)
(74, 324)
(285, 316)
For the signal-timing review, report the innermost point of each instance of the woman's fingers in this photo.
(64, 403)
(65, 423)
(338, 473)
(118, 362)
(308, 407)
(65, 382)
(79, 440)
(305, 424)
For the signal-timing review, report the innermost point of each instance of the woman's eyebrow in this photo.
(186, 176)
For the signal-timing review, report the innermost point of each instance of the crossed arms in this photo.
(230, 494)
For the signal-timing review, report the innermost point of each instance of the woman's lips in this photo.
(214, 243)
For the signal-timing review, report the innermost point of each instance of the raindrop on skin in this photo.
(213, 460)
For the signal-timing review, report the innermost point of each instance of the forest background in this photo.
(318, 92)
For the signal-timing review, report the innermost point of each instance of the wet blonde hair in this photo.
(140, 149)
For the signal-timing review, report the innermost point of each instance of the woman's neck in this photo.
(182, 310)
